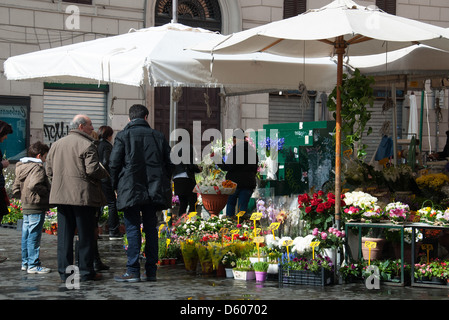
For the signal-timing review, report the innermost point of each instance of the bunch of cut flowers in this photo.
(318, 210)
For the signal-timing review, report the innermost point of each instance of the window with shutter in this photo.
(389, 6)
(294, 7)
(79, 1)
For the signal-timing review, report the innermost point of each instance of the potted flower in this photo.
(373, 215)
(229, 261)
(261, 268)
(351, 272)
(398, 212)
(358, 203)
(273, 261)
(244, 270)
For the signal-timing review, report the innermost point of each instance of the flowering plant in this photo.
(397, 211)
(229, 259)
(15, 212)
(436, 268)
(318, 211)
(333, 238)
(373, 214)
(357, 203)
(313, 265)
(429, 214)
(199, 229)
(443, 217)
(270, 145)
(432, 181)
(394, 235)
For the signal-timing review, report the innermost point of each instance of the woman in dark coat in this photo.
(105, 134)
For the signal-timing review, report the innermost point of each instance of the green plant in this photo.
(244, 265)
(173, 250)
(15, 212)
(229, 259)
(260, 266)
(352, 270)
(274, 256)
(356, 95)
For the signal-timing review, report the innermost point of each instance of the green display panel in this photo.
(307, 159)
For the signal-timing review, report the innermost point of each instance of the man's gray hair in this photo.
(77, 120)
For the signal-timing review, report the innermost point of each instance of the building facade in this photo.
(41, 111)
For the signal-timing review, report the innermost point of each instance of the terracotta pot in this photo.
(376, 253)
(214, 203)
(172, 260)
(407, 251)
(221, 272)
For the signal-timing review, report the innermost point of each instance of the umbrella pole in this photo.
(340, 47)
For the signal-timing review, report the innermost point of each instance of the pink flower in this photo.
(315, 232)
(323, 235)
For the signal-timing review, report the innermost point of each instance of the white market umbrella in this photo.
(157, 56)
(341, 28)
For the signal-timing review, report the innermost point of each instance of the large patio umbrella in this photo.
(157, 56)
(342, 27)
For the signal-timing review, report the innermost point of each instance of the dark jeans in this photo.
(133, 220)
(81, 218)
(243, 196)
(187, 200)
(113, 220)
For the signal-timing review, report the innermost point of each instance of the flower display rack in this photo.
(321, 278)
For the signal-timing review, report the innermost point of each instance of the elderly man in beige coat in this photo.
(75, 172)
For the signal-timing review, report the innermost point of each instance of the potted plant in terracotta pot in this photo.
(374, 235)
(394, 236)
(260, 269)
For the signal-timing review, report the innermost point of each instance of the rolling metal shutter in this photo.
(284, 109)
(60, 106)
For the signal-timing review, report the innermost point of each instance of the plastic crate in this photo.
(321, 278)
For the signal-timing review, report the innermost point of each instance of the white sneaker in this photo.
(24, 268)
(39, 270)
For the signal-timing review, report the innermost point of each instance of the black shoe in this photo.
(100, 266)
(94, 277)
(126, 277)
(149, 278)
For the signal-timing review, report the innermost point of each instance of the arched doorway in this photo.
(192, 105)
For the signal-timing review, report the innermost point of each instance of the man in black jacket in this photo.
(241, 166)
(140, 169)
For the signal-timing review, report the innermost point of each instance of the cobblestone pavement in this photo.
(174, 282)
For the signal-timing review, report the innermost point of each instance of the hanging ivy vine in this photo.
(356, 96)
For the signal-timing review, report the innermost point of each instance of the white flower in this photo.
(302, 244)
(281, 241)
(360, 199)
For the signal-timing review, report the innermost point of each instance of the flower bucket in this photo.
(205, 257)
(273, 268)
(244, 275)
(261, 276)
(214, 203)
(229, 273)
(189, 255)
